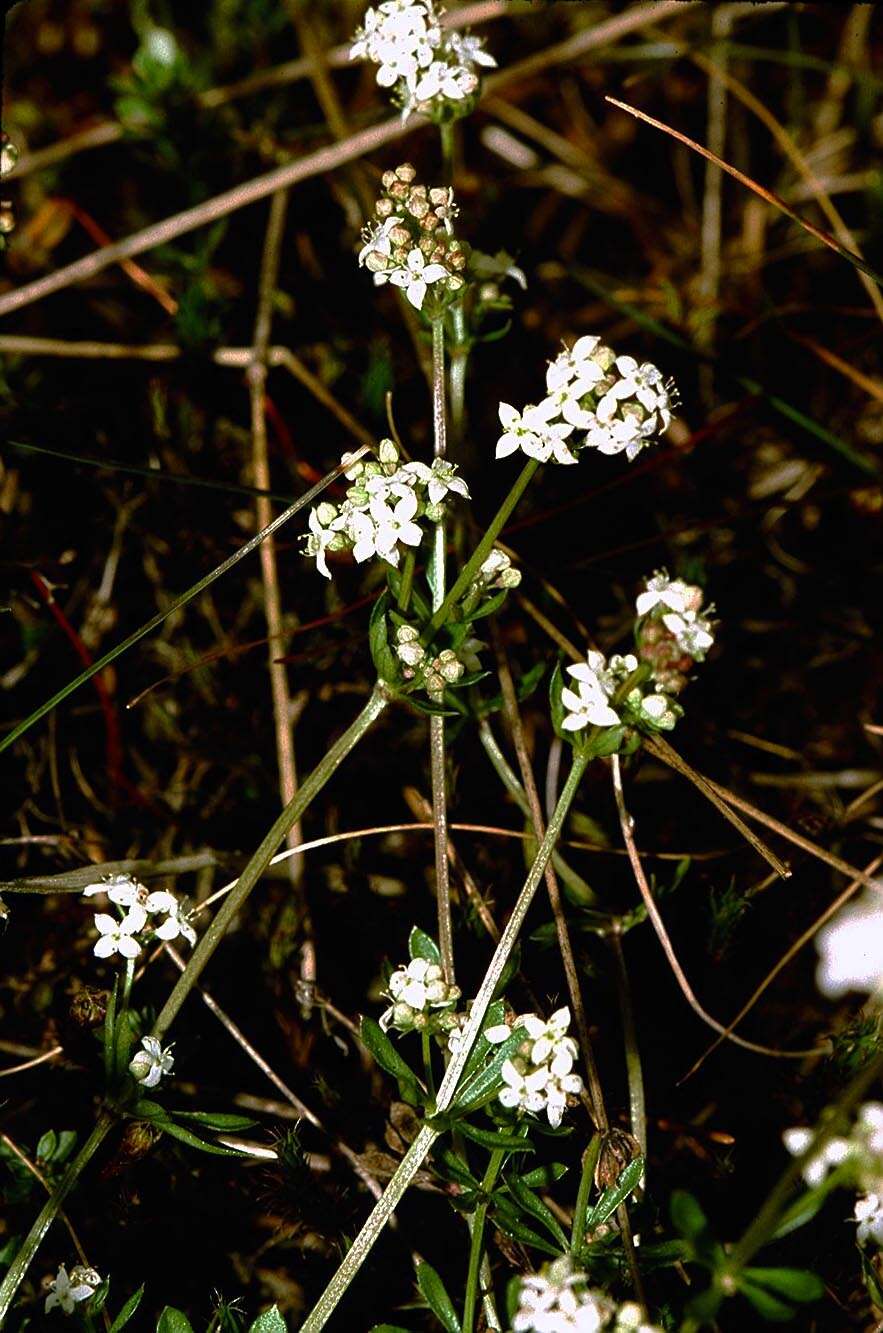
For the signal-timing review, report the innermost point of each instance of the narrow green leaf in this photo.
(492, 1140)
(384, 659)
(437, 1298)
(532, 1204)
(184, 1135)
(127, 1311)
(611, 1198)
(386, 1055)
(217, 1120)
(769, 1306)
(507, 1218)
(798, 1284)
(686, 1215)
(421, 945)
(496, 1013)
(485, 1082)
(541, 1177)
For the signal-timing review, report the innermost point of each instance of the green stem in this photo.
(34, 1239)
(427, 1062)
(119, 1045)
(476, 1245)
(380, 1215)
(415, 1155)
(590, 1161)
(634, 1069)
(436, 722)
(235, 900)
(404, 597)
(482, 550)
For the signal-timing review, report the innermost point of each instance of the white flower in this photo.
(442, 80)
(174, 925)
(656, 708)
(559, 1301)
(589, 704)
(523, 1092)
(550, 1042)
(440, 480)
(575, 363)
(614, 437)
(122, 889)
(150, 1064)
(643, 384)
(693, 633)
(834, 1153)
(468, 50)
(378, 242)
(66, 1291)
(414, 990)
(850, 947)
(392, 524)
(415, 276)
(869, 1129)
(660, 590)
(119, 936)
(869, 1216)
(532, 432)
(325, 526)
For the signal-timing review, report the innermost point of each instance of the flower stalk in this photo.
(476, 1243)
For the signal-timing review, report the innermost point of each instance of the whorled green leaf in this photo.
(615, 1194)
(542, 1177)
(483, 1084)
(495, 1140)
(531, 1203)
(435, 1294)
(421, 945)
(173, 1321)
(231, 1124)
(383, 657)
(192, 1140)
(796, 1284)
(386, 1055)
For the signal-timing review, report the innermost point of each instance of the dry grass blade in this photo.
(769, 195)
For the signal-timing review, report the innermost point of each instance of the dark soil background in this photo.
(767, 491)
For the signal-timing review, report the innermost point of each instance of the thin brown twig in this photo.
(627, 825)
(51, 1054)
(783, 962)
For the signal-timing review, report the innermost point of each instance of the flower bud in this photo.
(7, 218)
(375, 262)
(405, 172)
(9, 156)
(384, 208)
(387, 453)
(326, 513)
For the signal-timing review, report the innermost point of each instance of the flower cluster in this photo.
(136, 906)
(860, 1154)
(560, 1300)
(850, 948)
(411, 243)
(597, 681)
(594, 400)
(444, 668)
(67, 1290)
(673, 629)
(416, 990)
(540, 1077)
(151, 1063)
(430, 69)
(379, 515)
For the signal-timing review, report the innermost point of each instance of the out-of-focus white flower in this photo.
(455, 82)
(833, 1154)
(414, 276)
(692, 632)
(589, 705)
(116, 936)
(869, 1216)
(67, 1290)
(673, 594)
(575, 365)
(643, 384)
(534, 434)
(559, 1300)
(850, 948)
(149, 1065)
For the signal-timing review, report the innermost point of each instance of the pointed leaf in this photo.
(218, 1120)
(686, 1215)
(541, 1177)
(535, 1206)
(421, 945)
(437, 1298)
(386, 1055)
(270, 1321)
(612, 1197)
(769, 1306)
(173, 1321)
(797, 1284)
(127, 1311)
(185, 1136)
(489, 1139)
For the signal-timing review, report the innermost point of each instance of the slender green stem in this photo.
(235, 900)
(426, 1050)
(120, 1042)
(50, 1210)
(380, 1215)
(457, 374)
(436, 722)
(404, 597)
(415, 1155)
(185, 597)
(482, 550)
(634, 1069)
(590, 1161)
(476, 1245)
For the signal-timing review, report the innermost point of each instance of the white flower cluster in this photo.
(67, 1290)
(597, 680)
(560, 1300)
(614, 404)
(497, 571)
(138, 905)
(379, 515)
(152, 1062)
(862, 1153)
(850, 948)
(540, 1076)
(417, 990)
(431, 69)
(674, 630)
(411, 242)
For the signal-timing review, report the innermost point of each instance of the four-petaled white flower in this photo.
(559, 1301)
(67, 1290)
(673, 594)
(551, 1043)
(850, 947)
(643, 384)
(589, 705)
(455, 82)
(414, 277)
(869, 1216)
(575, 364)
(692, 632)
(377, 239)
(523, 1092)
(440, 479)
(534, 434)
(833, 1154)
(119, 936)
(149, 1065)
